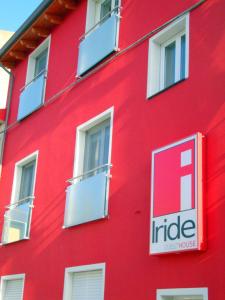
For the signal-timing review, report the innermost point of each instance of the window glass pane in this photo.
(26, 190)
(92, 157)
(106, 146)
(116, 5)
(27, 180)
(183, 54)
(41, 61)
(96, 147)
(169, 75)
(106, 7)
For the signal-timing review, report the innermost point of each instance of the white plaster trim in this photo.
(31, 59)
(161, 294)
(80, 139)
(155, 68)
(68, 277)
(17, 174)
(10, 277)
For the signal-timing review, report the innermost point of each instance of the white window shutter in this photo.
(88, 285)
(13, 289)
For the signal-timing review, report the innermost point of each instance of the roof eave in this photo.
(25, 26)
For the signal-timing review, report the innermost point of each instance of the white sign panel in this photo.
(176, 197)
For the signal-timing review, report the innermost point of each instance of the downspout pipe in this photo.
(8, 104)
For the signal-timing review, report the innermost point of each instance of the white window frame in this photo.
(69, 274)
(18, 174)
(93, 12)
(98, 9)
(177, 40)
(161, 294)
(32, 59)
(80, 140)
(157, 44)
(80, 145)
(6, 278)
(17, 181)
(2, 128)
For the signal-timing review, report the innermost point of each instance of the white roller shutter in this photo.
(13, 289)
(88, 285)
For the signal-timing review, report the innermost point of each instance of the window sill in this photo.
(165, 89)
(9, 243)
(103, 218)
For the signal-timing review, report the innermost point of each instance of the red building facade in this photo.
(77, 163)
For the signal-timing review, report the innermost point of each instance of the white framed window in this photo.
(84, 282)
(183, 294)
(99, 10)
(96, 150)
(168, 59)
(101, 37)
(38, 61)
(12, 287)
(24, 178)
(94, 144)
(89, 186)
(32, 94)
(17, 218)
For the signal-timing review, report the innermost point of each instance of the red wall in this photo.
(140, 126)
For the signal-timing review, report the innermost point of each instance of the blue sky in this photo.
(14, 13)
